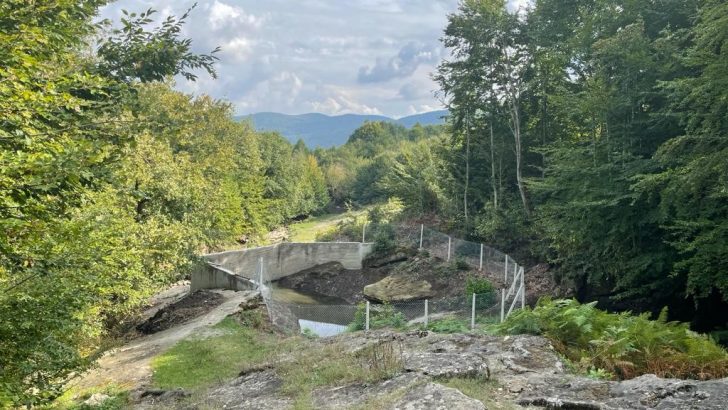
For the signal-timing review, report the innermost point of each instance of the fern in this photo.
(622, 345)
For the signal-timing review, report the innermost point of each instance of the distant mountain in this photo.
(319, 130)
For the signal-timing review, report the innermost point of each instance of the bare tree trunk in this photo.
(467, 170)
(516, 119)
(492, 168)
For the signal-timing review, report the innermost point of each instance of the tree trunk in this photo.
(467, 171)
(492, 168)
(516, 118)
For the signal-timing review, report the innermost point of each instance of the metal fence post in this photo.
(367, 319)
(364, 233)
(472, 315)
(515, 271)
(422, 234)
(481, 257)
(427, 313)
(506, 271)
(523, 289)
(503, 304)
(449, 245)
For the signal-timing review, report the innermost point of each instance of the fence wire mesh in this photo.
(455, 314)
(444, 314)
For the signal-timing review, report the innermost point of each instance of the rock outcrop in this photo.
(398, 289)
(519, 370)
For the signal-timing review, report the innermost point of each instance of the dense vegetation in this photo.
(110, 182)
(620, 345)
(589, 133)
(592, 134)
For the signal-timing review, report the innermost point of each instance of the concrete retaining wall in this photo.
(279, 261)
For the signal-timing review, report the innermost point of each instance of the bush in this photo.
(384, 239)
(485, 291)
(379, 316)
(623, 344)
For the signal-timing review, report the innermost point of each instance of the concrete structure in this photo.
(237, 270)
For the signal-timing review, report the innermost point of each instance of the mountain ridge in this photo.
(321, 130)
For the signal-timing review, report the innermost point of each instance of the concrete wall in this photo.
(213, 277)
(279, 261)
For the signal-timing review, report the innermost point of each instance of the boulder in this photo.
(398, 289)
(433, 396)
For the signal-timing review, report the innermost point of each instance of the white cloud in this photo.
(223, 15)
(296, 57)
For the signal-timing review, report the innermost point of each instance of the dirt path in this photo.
(129, 366)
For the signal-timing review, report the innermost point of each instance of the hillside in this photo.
(328, 131)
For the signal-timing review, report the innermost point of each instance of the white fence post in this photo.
(427, 313)
(449, 244)
(506, 271)
(364, 233)
(472, 315)
(481, 257)
(503, 304)
(422, 234)
(515, 271)
(367, 319)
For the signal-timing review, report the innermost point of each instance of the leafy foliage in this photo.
(622, 344)
(111, 183)
(380, 316)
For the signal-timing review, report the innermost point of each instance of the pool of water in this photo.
(321, 314)
(298, 297)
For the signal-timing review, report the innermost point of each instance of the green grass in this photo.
(484, 390)
(199, 363)
(308, 230)
(118, 399)
(333, 365)
(312, 228)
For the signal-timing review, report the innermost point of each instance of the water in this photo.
(321, 314)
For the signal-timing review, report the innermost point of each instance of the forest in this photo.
(589, 134)
(592, 135)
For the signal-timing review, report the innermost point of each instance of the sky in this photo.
(328, 56)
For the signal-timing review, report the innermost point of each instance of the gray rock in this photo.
(433, 396)
(644, 392)
(96, 399)
(257, 390)
(360, 395)
(398, 289)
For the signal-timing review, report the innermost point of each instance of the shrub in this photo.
(384, 239)
(623, 344)
(379, 316)
(485, 291)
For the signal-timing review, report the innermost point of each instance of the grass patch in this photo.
(307, 230)
(199, 363)
(601, 344)
(484, 390)
(333, 365)
(72, 400)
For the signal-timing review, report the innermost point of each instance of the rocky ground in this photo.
(511, 372)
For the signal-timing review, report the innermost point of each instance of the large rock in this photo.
(398, 289)
(644, 392)
(433, 396)
(524, 370)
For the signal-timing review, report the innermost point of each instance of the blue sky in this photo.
(328, 56)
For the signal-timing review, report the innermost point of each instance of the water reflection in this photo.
(321, 314)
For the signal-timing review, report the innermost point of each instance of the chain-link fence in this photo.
(443, 314)
(455, 314)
